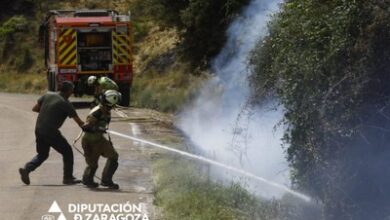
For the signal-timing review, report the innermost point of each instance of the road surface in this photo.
(17, 146)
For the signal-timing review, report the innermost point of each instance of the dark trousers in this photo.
(58, 143)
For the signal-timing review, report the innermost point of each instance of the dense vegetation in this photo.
(12, 7)
(201, 23)
(328, 62)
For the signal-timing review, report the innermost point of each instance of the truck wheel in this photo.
(125, 91)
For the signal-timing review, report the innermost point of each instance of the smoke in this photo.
(222, 124)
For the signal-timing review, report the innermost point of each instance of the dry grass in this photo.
(157, 43)
(32, 81)
(23, 83)
(162, 81)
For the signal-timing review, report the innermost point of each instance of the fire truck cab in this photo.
(81, 43)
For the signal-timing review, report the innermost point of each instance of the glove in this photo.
(87, 129)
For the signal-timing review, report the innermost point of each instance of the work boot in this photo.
(89, 173)
(91, 184)
(24, 176)
(108, 172)
(71, 181)
(110, 185)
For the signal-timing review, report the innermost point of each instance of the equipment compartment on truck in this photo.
(94, 50)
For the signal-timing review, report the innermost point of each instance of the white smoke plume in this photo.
(219, 121)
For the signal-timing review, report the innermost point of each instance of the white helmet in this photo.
(91, 80)
(111, 97)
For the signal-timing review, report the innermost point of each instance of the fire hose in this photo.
(203, 159)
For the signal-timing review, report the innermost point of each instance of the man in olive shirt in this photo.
(53, 109)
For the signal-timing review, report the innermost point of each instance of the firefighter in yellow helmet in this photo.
(95, 144)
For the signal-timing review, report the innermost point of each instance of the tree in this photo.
(328, 62)
(202, 23)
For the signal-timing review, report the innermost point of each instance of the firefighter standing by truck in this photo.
(95, 144)
(100, 85)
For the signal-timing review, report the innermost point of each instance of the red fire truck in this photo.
(81, 43)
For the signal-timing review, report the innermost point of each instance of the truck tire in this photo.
(125, 91)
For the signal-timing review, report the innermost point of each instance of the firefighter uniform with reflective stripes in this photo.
(95, 144)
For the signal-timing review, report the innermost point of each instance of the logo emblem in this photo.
(48, 217)
(54, 208)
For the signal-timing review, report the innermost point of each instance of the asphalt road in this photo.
(17, 146)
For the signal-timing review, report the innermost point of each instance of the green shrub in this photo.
(328, 63)
(11, 7)
(172, 100)
(24, 61)
(185, 192)
(12, 25)
(202, 23)
(166, 92)
(147, 99)
(140, 30)
(8, 29)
